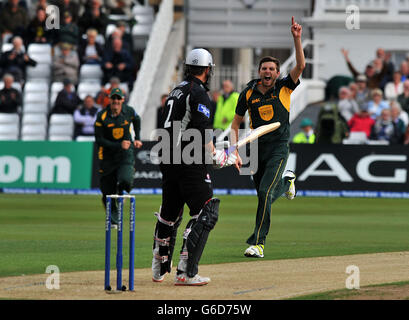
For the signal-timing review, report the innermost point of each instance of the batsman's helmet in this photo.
(199, 58)
(197, 61)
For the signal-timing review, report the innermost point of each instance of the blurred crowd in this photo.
(81, 38)
(372, 106)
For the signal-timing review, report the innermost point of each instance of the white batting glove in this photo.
(231, 160)
(219, 158)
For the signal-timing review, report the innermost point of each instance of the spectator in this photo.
(353, 88)
(10, 98)
(374, 72)
(361, 121)
(125, 35)
(84, 118)
(385, 57)
(117, 63)
(119, 33)
(119, 7)
(67, 100)
(403, 115)
(403, 98)
(66, 64)
(362, 95)
(68, 6)
(226, 106)
(43, 4)
(90, 51)
(37, 32)
(331, 126)
(404, 69)
(398, 123)
(384, 130)
(395, 87)
(13, 20)
(346, 105)
(16, 60)
(103, 95)
(68, 32)
(377, 104)
(94, 18)
(160, 109)
(306, 135)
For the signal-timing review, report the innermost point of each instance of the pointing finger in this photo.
(292, 20)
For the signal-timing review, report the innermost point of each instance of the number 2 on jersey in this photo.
(167, 122)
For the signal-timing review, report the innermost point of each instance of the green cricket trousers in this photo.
(269, 185)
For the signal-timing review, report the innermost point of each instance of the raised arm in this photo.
(296, 31)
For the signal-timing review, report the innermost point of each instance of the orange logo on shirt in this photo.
(255, 100)
(118, 133)
(266, 112)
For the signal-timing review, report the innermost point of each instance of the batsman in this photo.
(267, 100)
(186, 182)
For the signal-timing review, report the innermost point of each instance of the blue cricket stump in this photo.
(119, 256)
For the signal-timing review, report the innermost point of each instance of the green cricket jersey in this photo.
(273, 106)
(109, 133)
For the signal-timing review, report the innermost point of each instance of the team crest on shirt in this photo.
(266, 112)
(118, 133)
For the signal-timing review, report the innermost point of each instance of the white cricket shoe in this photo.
(156, 277)
(183, 280)
(290, 194)
(256, 251)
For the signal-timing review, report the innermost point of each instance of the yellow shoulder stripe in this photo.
(98, 124)
(284, 97)
(248, 95)
(104, 115)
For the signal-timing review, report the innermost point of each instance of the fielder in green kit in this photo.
(267, 100)
(116, 148)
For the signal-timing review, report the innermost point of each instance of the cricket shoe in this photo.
(290, 194)
(114, 225)
(256, 251)
(183, 280)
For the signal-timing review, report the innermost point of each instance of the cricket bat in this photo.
(255, 134)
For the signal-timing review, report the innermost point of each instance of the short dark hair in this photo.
(194, 70)
(269, 59)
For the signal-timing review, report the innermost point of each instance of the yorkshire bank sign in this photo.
(45, 164)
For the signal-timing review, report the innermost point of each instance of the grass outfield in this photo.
(68, 231)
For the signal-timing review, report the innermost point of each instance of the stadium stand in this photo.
(61, 127)
(30, 132)
(9, 126)
(38, 88)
